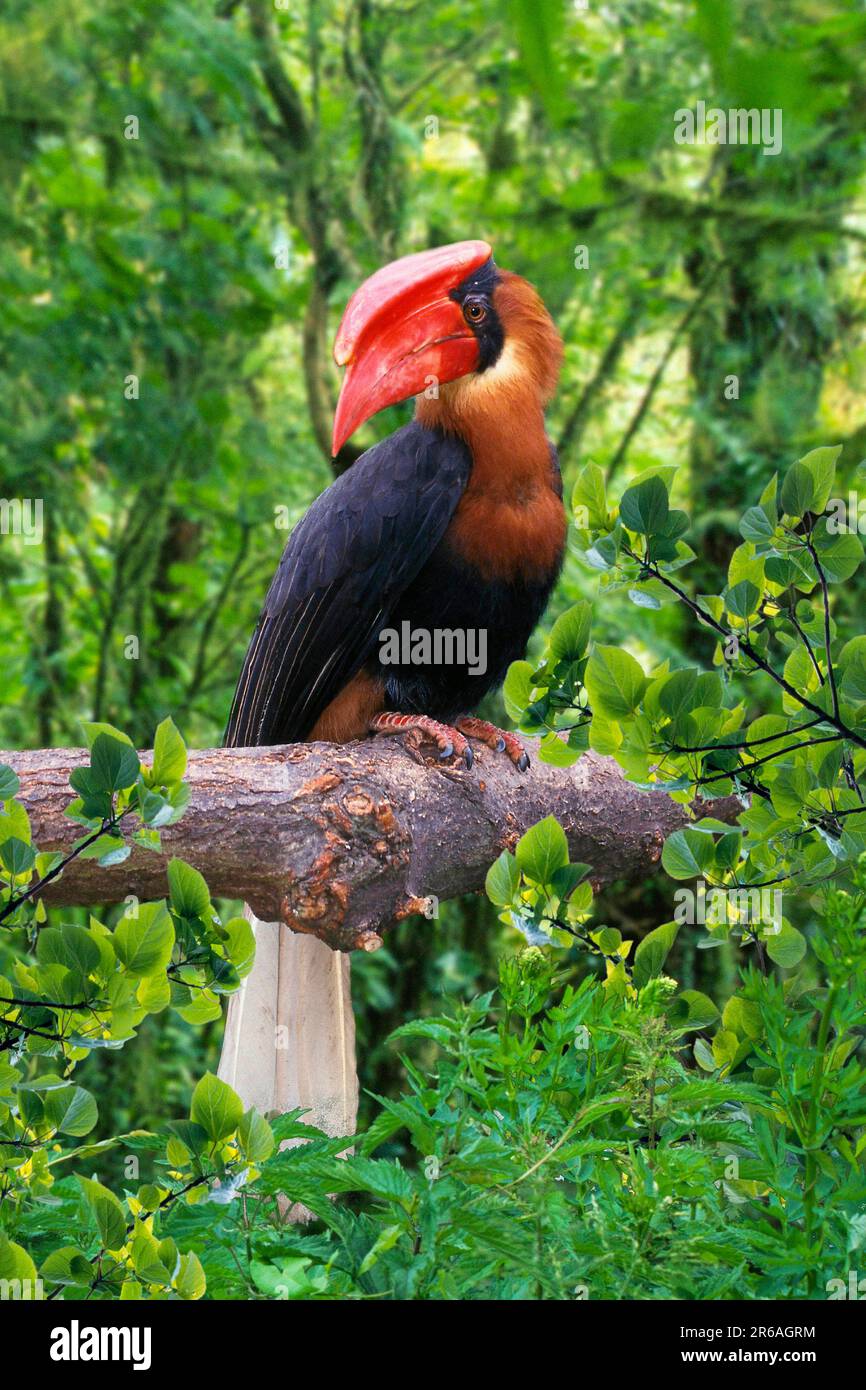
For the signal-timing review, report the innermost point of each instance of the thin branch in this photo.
(709, 621)
(105, 829)
(825, 594)
(657, 376)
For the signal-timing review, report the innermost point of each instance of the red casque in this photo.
(401, 331)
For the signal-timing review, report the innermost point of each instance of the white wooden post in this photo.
(290, 1032)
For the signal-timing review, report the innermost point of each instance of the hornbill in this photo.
(454, 523)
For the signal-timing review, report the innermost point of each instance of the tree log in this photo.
(340, 841)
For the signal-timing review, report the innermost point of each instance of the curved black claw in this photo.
(468, 756)
(500, 747)
(446, 752)
(523, 762)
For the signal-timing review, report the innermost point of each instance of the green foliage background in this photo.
(281, 153)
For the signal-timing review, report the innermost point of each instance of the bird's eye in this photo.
(474, 311)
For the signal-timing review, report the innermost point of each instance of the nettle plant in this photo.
(67, 988)
(552, 1140)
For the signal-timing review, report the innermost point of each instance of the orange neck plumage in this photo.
(510, 522)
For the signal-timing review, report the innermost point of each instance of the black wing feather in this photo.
(346, 563)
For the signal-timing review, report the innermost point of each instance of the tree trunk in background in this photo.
(290, 1032)
(773, 336)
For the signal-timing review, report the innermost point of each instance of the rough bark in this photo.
(339, 841)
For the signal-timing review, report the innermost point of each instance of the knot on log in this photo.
(363, 839)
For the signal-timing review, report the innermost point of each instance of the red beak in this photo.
(401, 333)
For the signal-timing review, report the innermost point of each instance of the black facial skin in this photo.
(475, 297)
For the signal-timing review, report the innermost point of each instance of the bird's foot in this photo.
(500, 740)
(449, 741)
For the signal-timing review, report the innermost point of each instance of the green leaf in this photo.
(216, 1107)
(188, 1136)
(517, 689)
(798, 490)
(676, 692)
(382, 1177)
(743, 599)
(16, 856)
(503, 878)
(93, 730)
(821, 466)
(853, 686)
(71, 946)
(614, 681)
(189, 892)
(652, 953)
(256, 1136)
(204, 1007)
(602, 555)
(169, 755)
(15, 1264)
(755, 525)
(542, 850)
(189, 1282)
(769, 499)
(786, 947)
(149, 1196)
(385, 1241)
(687, 853)
(95, 802)
(144, 943)
(565, 880)
(608, 940)
(728, 849)
(241, 945)
(569, 635)
(107, 1211)
(589, 492)
(642, 598)
(725, 1047)
(700, 1010)
(154, 993)
(68, 1265)
(557, 752)
(146, 1260)
(116, 853)
(644, 508)
(840, 555)
(9, 784)
(72, 1110)
(743, 1017)
(114, 765)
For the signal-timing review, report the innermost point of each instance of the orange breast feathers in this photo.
(506, 540)
(510, 522)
